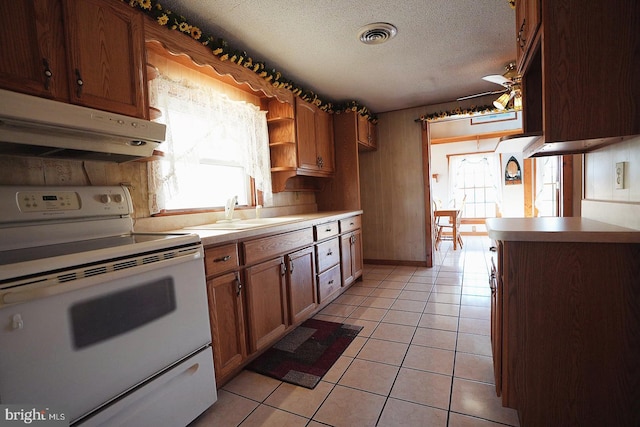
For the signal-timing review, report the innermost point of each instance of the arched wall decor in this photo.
(512, 172)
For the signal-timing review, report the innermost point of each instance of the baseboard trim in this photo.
(395, 262)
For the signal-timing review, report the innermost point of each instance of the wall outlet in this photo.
(619, 175)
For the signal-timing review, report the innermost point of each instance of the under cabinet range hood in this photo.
(41, 127)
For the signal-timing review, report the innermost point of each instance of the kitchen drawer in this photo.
(328, 283)
(328, 254)
(350, 224)
(221, 259)
(268, 247)
(324, 231)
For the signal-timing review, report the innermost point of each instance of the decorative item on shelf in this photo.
(221, 49)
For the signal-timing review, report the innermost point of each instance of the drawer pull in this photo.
(223, 259)
(330, 252)
(330, 282)
(327, 230)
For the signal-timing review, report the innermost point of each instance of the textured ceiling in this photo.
(441, 52)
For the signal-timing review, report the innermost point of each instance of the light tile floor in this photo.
(422, 359)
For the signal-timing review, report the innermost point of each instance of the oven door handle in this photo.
(49, 286)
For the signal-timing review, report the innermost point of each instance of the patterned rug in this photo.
(306, 353)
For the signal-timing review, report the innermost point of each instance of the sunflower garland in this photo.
(481, 109)
(221, 49)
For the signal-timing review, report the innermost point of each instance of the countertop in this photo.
(212, 236)
(571, 229)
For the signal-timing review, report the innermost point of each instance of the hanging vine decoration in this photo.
(221, 49)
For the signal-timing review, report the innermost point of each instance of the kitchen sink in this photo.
(246, 223)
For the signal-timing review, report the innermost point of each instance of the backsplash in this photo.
(602, 200)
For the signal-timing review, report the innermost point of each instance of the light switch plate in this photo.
(619, 177)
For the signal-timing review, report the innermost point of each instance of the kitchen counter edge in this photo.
(213, 237)
(568, 229)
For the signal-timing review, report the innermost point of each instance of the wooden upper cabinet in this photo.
(365, 133)
(580, 75)
(306, 135)
(527, 23)
(32, 52)
(105, 49)
(315, 139)
(325, 147)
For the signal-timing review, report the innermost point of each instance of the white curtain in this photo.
(203, 124)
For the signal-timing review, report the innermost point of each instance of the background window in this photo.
(474, 176)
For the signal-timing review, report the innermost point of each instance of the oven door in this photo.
(80, 344)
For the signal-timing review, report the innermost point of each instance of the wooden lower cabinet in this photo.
(569, 314)
(329, 283)
(228, 332)
(260, 289)
(301, 287)
(267, 308)
(351, 256)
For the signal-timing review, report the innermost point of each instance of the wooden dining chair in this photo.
(435, 221)
(449, 225)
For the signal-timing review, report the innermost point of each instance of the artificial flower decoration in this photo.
(224, 52)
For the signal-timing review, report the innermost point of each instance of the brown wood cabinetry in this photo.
(315, 138)
(343, 190)
(301, 286)
(301, 143)
(267, 308)
(105, 50)
(275, 283)
(564, 331)
(351, 249)
(95, 59)
(228, 331)
(527, 23)
(32, 48)
(366, 133)
(327, 260)
(226, 310)
(579, 73)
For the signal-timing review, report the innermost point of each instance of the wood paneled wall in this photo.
(392, 192)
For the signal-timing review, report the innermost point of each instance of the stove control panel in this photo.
(38, 201)
(41, 203)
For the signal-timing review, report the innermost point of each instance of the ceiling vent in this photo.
(377, 33)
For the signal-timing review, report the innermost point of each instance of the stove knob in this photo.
(117, 198)
(105, 198)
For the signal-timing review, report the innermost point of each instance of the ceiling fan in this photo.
(510, 80)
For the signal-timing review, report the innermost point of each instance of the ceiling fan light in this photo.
(517, 102)
(502, 101)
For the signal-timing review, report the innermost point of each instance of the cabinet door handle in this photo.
(283, 268)
(291, 266)
(223, 259)
(352, 240)
(329, 252)
(330, 282)
(79, 83)
(238, 285)
(47, 73)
